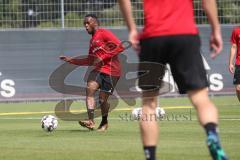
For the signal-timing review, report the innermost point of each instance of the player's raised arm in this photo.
(125, 6)
(216, 43)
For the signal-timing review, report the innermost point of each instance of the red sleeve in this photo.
(233, 37)
(80, 62)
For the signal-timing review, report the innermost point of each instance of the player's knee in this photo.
(92, 86)
(238, 88)
(199, 97)
(201, 102)
(102, 102)
(90, 91)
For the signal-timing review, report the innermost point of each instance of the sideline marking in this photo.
(80, 111)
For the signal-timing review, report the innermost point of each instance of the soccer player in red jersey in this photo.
(170, 35)
(235, 49)
(103, 51)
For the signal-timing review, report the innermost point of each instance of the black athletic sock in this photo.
(149, 152)
(104, 109)
(91, 114)
(104, 119)
(211, 128)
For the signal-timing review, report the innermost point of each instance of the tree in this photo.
(10, 14)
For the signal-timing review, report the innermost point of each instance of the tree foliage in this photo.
(47, 13)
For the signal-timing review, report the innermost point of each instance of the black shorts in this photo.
(236, 78)
(106, 82)
(182, 53)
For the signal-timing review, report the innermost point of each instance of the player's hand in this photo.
(65, 58)
(134, 39)
(216, 43)
(231, 68)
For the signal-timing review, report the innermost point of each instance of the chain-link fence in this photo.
(53, 14)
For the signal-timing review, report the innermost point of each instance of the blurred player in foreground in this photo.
(103, 51)
(235, 49)
(170, 35)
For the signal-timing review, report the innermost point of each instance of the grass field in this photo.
(181, 138)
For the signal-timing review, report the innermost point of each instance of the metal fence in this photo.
(54, 14)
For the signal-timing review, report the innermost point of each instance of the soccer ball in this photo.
(137, 112)
(160, 112)
(49, 123)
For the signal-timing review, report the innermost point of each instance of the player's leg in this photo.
(108, 84)
(206, 110)
(151, 71)
(190, 76)
(236, 80)
(149, 125)
(238, 91)
(208, 118)
(104, 105)
(92, 87)
(148, 120)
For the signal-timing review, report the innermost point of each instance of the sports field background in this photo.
(30, 57)
(32, 37)
(181, 138)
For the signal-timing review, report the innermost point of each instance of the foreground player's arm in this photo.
(233, 51)
(75, 60)
(125, 6)
(216, 43)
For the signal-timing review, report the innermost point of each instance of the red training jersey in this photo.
(105, 46)
(235, 39)
(168, 17)
(100, 47)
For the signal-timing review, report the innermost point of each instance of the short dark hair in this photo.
(93, 16)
